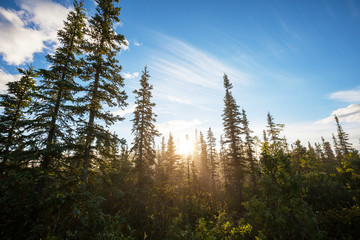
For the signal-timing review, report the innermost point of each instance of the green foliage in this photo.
(13, 121)
(58, 210)
(279, 211)
(217, 227)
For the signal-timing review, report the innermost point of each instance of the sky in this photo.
(298, 60)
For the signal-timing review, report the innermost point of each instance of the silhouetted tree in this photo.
(343, 137)
(55, 109)
(213, 163)
(144, 131)
(13, 120)
(102, 70)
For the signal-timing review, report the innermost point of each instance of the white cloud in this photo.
(350, 113)
(29, 30)
(180, 100)
(130, 75)
(178, 61)
(137, 44)
(123, 112)
(118, 24)
(350, 96)
(5, 78)
(47, 15)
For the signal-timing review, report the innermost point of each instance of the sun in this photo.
(185, 145)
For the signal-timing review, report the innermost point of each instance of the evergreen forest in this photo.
(65, 175)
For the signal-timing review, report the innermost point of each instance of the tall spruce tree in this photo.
(160, 163)
(273, 132)
(57, 88)
(232, 122)
(345, 146)
(249, 145)
(144, 131)
(143, 145)
(336, 147)
(13, 118)
(171, 160)
(204, 163)
(102, 71)
(213, 164)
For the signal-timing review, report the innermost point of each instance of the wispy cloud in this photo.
(29, 30)
(130, 75)
(180, 61)
(350, 96)
(350, 113)
(137, 44)
(5, 78)
(118, 24)
(180, 100)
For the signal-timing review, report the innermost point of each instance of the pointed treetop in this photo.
(227, 83)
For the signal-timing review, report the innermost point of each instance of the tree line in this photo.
(65, 175)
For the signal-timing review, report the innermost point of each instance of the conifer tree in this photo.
(328, 152)
(213, 164)
(197, 149)
(102, 71)
(143, 145)
(273, 132)
(265, 138)
(298, 155)
(232, 137)
(13, 119)
(327, 156)
(224, 162)
(318, 151)
(160, 164)
(58, 86)
(249, 144)
(336, 147)
(144, 131)
(170, 160)
(345, 146)
(204, 165)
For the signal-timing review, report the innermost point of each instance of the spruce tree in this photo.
(203, 165)
(273, 132)
(57, 88)
(336, 147)
(224, 163)
(328, 152)
(171, 160)
(232, 122)
(249, 144)
(143, 149)
(144, 131)
(102, 71)
(13, 119)
(345, 146)
(328, 157)
(213, 164)
(160, 163)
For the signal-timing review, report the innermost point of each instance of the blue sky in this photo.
(300, 60)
